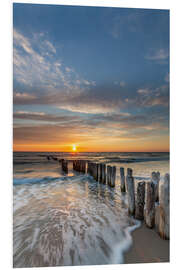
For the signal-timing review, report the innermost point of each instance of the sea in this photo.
(70, 219)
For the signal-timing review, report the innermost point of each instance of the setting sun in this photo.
(74, 147)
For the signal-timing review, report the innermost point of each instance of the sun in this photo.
(74, 148)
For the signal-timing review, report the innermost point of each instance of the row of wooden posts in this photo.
(150, 200)
(147, 200)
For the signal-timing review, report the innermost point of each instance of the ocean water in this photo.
(61, 219)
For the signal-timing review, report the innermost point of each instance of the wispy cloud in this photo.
(143, 91)
(160, 54)
(41, 116)
(36, 64)
(101, 100)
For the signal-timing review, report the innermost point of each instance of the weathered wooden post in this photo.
(103, 173)
(157, 217)
(149, 208)
(65, 166)
(100, 172)
(96, 171)
(164, 207)
(129, 172)
(109, 175)
(84, 166)
(91, 169)
(155, 176)
(113, 176)
(139, 204)
(131, 194)
(122, 180)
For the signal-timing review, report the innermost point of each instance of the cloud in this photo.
(161, 54)
(41, 116)
(143, 91)
(36, 64)
(23, 97)
(111, 127)
(131, 22)
(101, 100)
(50, 46)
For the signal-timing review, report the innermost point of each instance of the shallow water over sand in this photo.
(70, 219)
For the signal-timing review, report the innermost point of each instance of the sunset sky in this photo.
(96, 78)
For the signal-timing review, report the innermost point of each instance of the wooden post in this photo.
(139, 205)
(129, 172)
(157, 217)
(113, 176)
(108, 169)
(131, 194)
(100, 173)
(164, 207)
(155, 176)
(95, 171)
(65, 166)
(122, 180)
(91, 169)
(109, 175)
(149, 209)
(96, 174)
(103, 173)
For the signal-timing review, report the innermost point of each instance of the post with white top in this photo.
(155, 176)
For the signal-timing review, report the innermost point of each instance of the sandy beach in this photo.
(147, 247)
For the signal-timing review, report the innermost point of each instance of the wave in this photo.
(22, 181)
(134, 160)
(123, 246)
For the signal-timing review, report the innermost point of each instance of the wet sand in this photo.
(147, 247)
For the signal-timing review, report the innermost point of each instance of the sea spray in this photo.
(123, 246)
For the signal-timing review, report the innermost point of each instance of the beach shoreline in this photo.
(147, 247)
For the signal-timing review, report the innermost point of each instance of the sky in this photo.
(93, 77)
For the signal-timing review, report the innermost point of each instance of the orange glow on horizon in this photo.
(97, 144)
(151, 147)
